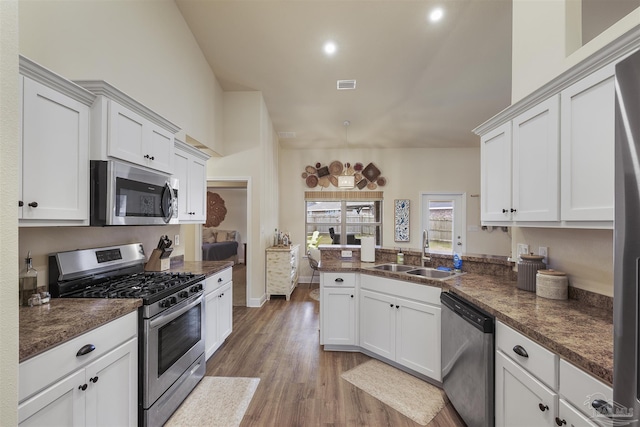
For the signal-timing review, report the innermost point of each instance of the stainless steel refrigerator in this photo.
(626, 383)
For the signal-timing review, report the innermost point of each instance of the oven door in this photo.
(173, 341)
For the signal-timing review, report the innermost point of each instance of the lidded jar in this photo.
(527, 269)
(28, 281)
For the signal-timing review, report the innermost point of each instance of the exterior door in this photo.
(444, 216)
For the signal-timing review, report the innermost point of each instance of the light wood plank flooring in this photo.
(300, 384)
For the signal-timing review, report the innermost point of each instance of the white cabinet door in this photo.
(55, 156)
(521, 400)
(190, 167)
(570, 417)
(418, 337)
(197, 190)
(536, 152)
(63, 402)
(587, 147)
(339, 316)
(112, 387)
(135, 139)
(495, 157)
(211, 338)
(127, 139)
(378, 323)
(225, 311)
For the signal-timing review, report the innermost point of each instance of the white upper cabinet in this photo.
(495, 192)
(535, 163)
(587, 147)
(124, 129)
(190, 167)
(54, 167)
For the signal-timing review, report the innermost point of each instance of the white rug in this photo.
(216, 401)
(315, 294)
(414, 398)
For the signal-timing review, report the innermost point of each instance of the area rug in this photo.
(314, 294)
(216, 401)
(405, 393)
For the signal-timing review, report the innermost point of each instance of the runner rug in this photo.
(412, 397)
(216, 401)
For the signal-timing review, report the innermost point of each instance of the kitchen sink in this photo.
(431, 273)
(396, 268)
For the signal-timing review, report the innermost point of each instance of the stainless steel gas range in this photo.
(170, 337)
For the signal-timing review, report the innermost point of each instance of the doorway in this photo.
(444, 216)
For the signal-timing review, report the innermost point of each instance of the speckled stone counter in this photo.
(43, 327)
(580, 333)
(208, 268)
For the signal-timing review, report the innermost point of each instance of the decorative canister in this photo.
(552, 284)
(527, 269)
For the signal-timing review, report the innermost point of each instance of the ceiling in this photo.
(419, 84)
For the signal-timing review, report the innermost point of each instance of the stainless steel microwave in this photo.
(122, 194)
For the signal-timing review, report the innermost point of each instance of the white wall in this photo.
(143, 48)
(408, 172)
(9, 137)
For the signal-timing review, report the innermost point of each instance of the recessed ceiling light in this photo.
(330, 48)
(436, 14)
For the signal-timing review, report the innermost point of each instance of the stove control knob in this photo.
(174, 300)
(165, 303)
(183, 294)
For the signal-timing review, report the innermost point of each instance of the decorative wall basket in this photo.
(344, 176)
(401, 215)
(216, 210)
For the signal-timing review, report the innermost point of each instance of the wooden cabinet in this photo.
(282, 270)
(218, 317)
(190, 167)
(54, 167)
(98, 388)
(123, 128)
(389, 312)
(521, 399)
(587, 147)
(338, 307)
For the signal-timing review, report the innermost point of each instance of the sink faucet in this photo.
(425, 248)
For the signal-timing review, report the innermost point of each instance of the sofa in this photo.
(220, 245)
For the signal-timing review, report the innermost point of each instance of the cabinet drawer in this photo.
(339, 279)
(576, 386)
(572, 417)
(214, 282)
(542, 363)
(38, 372)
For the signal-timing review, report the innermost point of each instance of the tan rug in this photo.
(216, 401)
(314, 294)
(405, 393)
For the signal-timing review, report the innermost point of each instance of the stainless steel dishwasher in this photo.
(467, 359)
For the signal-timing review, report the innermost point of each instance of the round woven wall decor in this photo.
(216, 211)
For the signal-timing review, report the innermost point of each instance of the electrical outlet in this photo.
(523, 249)
(543, 250)
(176, 240)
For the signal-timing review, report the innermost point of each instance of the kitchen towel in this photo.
(215, 402)
(414, 398)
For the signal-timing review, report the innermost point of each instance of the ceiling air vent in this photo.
(346, 84)
(286, 135)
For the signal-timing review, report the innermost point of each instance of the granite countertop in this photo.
(45, 326)
(580, 333)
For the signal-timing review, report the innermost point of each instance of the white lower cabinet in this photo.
(402, 323)
(338, 309)
(218, 310)
(570, 417)
(101, 391)
(521, 400)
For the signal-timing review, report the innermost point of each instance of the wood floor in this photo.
(300, 384)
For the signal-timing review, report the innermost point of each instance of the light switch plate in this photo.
(176, 240)
(523, 248)
(346, 254)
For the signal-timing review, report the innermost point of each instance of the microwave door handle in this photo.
(167, 202)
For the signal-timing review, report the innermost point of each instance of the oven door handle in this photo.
(168, 317)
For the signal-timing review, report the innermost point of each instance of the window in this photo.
(443, 215)
(342, 222)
